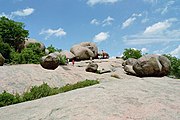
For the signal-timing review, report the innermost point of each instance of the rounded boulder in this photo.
(85, 51)
(50, 61)
(152, 65)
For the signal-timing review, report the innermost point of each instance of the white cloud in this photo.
(165, 9)
(151, 1)
(157, 33)
(144, 39)
(94, 2)
(21, 13)
(102, 36)
(5, 15)
(50, 32)
(144, 50)
(144, 20)
(108, 21)
(130, 20)
(164, 37)
(176, 52)
(95, 22)
(159, 27)
(136, 15)
(24, 12)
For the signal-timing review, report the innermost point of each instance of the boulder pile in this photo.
(33, 41)
(85, 50)
(148, 65)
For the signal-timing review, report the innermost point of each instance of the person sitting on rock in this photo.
(103, 54)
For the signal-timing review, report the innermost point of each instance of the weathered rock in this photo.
(91, 46)
(50, 61)
(166, 65)
(149, 100)
(92, 67)
(46, 51)
(152, 65)
(129, 69)
(2, 59)
(85, 50)
(68, 54)
(130, 61)
(33, 41)
(56, 53)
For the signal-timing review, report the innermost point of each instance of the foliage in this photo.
(53, 49)
(175, 66)
(14, 57)
(39, 92)
(43, 90)
(131, 53)
(12, 32)
(5, 50)
(29, 55)
(8, 99)
(62, 60)
(81, 84)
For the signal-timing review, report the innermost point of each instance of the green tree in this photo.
(131, 53)
(5, 50)
(53, 49)
(31, 54)
(175, 66)
(62, 60)
(12, 32)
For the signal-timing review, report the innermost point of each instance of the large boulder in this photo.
(130, 61)
(2, 59)
(50, 61)
(92, 67)
(129, 69)
(33, 41)
(85, 50)
(69, 55)
(152, 65)
(128, 65)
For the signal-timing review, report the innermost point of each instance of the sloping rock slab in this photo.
(130, 99)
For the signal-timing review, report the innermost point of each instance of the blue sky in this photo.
(152, 26)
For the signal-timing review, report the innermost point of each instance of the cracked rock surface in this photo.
(127, 98)
(121, 99)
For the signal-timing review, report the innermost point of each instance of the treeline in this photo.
(12, 40)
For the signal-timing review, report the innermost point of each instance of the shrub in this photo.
(43, 90)
(53, 49)
(12, 32)
(31, 54)
(5, 50)
(14, 57)
(39, 92)
(62, 60)
(131, 53)
(8, 99)
(81, 84)
(175, 66)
